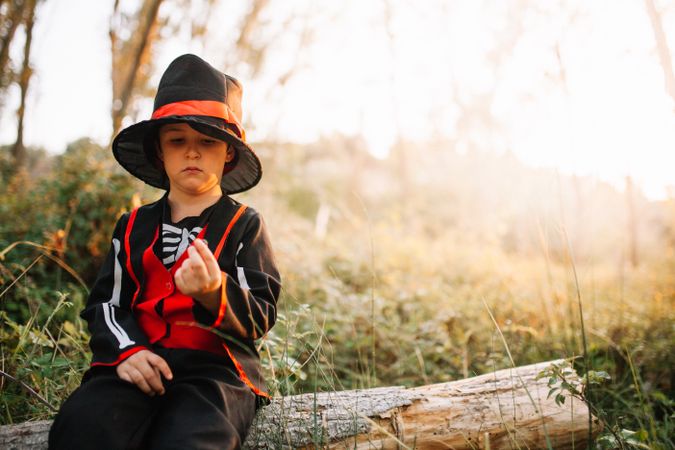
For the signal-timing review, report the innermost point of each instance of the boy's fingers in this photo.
(124, 376)
(197, 265)
(186, 264)
(202, 248)
(160, 363)
(208, 257)
(212, 267)
(180, 281)
(199, 271)
(152, 377)
(155, 382)
(185, 281)
(139, 380)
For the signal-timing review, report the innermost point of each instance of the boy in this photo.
(188, 285)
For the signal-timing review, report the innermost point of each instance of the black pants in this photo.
(205, 406)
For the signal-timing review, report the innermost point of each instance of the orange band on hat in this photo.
(201, 108)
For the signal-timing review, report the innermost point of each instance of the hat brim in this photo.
(130, 149)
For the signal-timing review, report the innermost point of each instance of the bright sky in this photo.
(607, 116)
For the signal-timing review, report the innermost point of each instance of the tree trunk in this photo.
(504, 409)
(18, 150)
(631, 223)
(131, 62)
(662, 47)
(14, 17)
(464, 414)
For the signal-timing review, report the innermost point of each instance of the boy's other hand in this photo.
(144, 369)
(199, 276)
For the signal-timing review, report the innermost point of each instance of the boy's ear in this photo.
(229, 156)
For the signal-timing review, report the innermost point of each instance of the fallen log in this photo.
(504, 409)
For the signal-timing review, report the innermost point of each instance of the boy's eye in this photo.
(176, 140)
(208, 141)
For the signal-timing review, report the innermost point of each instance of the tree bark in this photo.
(18, 149)
(504, 409)
(662, 47)
(14, 17)
(148, 14)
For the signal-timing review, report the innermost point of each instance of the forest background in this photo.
(396, 248)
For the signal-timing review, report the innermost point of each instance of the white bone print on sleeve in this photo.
(241, 276)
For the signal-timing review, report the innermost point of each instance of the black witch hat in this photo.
(193, 92)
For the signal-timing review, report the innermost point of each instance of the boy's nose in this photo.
(191, 151)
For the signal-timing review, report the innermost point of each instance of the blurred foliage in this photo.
(62, 218)
(382, 285)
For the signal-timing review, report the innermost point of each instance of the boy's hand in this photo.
(144, 369)
(199, 276)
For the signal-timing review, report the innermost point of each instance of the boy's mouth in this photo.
(191, 169)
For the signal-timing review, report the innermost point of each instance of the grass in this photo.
(327, 346)
(385, 301)
(40, 363)
(540, 320)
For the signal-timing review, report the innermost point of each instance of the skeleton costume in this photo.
(134, 305)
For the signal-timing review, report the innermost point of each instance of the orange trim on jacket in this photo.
(122, 357)
(242, 374)
(216, 254)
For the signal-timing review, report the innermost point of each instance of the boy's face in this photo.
(193, 161)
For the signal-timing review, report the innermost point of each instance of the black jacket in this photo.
(251, 285)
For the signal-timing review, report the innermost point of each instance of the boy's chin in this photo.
(197, 189)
